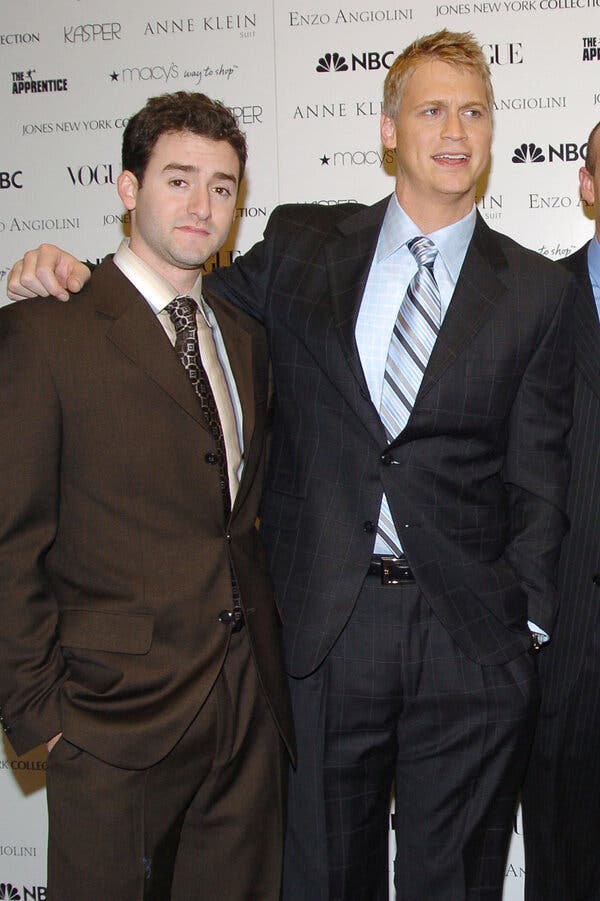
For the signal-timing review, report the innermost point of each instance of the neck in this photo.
(431, 216)
(184, 284)
(181, 280)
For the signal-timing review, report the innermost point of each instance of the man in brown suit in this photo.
(140, 638)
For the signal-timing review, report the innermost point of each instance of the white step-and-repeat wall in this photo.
(305, 81)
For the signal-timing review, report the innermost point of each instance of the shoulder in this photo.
(43, 314)
(321, 218)
(517, 260)
(577, 262)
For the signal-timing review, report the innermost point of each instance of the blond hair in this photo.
(457, 48)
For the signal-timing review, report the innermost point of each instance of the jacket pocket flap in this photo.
(99, 630)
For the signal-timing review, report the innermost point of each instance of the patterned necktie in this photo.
(182, 311)
(415, 332)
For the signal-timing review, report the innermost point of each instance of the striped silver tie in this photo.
(415, 331)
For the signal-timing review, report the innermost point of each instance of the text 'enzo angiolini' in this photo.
(348, 17)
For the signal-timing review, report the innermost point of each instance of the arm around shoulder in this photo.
(46, 271)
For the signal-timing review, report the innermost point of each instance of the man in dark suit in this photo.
(415, 501)
(561, 797)
(138, 619)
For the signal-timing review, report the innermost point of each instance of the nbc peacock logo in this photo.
(332, 62)
(8, 892)
(528, 153)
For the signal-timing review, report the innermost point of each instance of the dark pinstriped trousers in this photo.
(397, 702)
(561, 796)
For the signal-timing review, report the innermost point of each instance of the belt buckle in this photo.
(394, 572)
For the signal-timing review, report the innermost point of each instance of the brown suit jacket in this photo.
(114, 553)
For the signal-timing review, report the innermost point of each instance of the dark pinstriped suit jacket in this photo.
(580, 556)
(476, 481)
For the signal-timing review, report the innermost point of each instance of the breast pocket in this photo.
(490, 388)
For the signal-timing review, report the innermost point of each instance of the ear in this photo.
(586, 186)
(128, 187)
(388, 132)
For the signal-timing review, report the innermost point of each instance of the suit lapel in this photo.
(475, 298)
(239, 347)
(138, 334)
(477, 293)
(349, 259)
(586, 324)
(244, 362)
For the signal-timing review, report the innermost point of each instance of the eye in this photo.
(177, 182)
(222, 191)
(474, 113)
(431, 111)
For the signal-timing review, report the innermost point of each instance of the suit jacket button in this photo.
(368, 526)
(596, 579)
(211, 458)
(386, 458)
(225, 617)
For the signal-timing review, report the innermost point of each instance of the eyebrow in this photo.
(444, 102)
(184, 167)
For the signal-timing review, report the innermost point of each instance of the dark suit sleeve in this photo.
(246, 282)
(31, 664)
(536, 470)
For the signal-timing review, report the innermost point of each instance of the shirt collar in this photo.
(451, 241)
(155, 289)
(593, 257)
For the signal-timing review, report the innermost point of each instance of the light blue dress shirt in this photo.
(392, 269)
(593, 259)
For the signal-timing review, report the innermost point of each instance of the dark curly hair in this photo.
(180, 111)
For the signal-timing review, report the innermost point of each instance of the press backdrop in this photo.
(305, 82)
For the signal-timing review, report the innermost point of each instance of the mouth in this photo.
(452, 159)
(194, 230)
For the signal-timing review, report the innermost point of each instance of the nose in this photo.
(199, 202)
(454, 126)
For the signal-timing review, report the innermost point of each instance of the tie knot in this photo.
(182, 311)
(423, 250)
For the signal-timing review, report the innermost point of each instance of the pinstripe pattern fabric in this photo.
(503, 344)
(414, 335)
(476, 481)
(378, 713)
(561, 797)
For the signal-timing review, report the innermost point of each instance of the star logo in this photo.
(114, 76)
(30, 74)
(325, 160)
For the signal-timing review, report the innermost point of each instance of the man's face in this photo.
(183, 210)
(442, 137)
